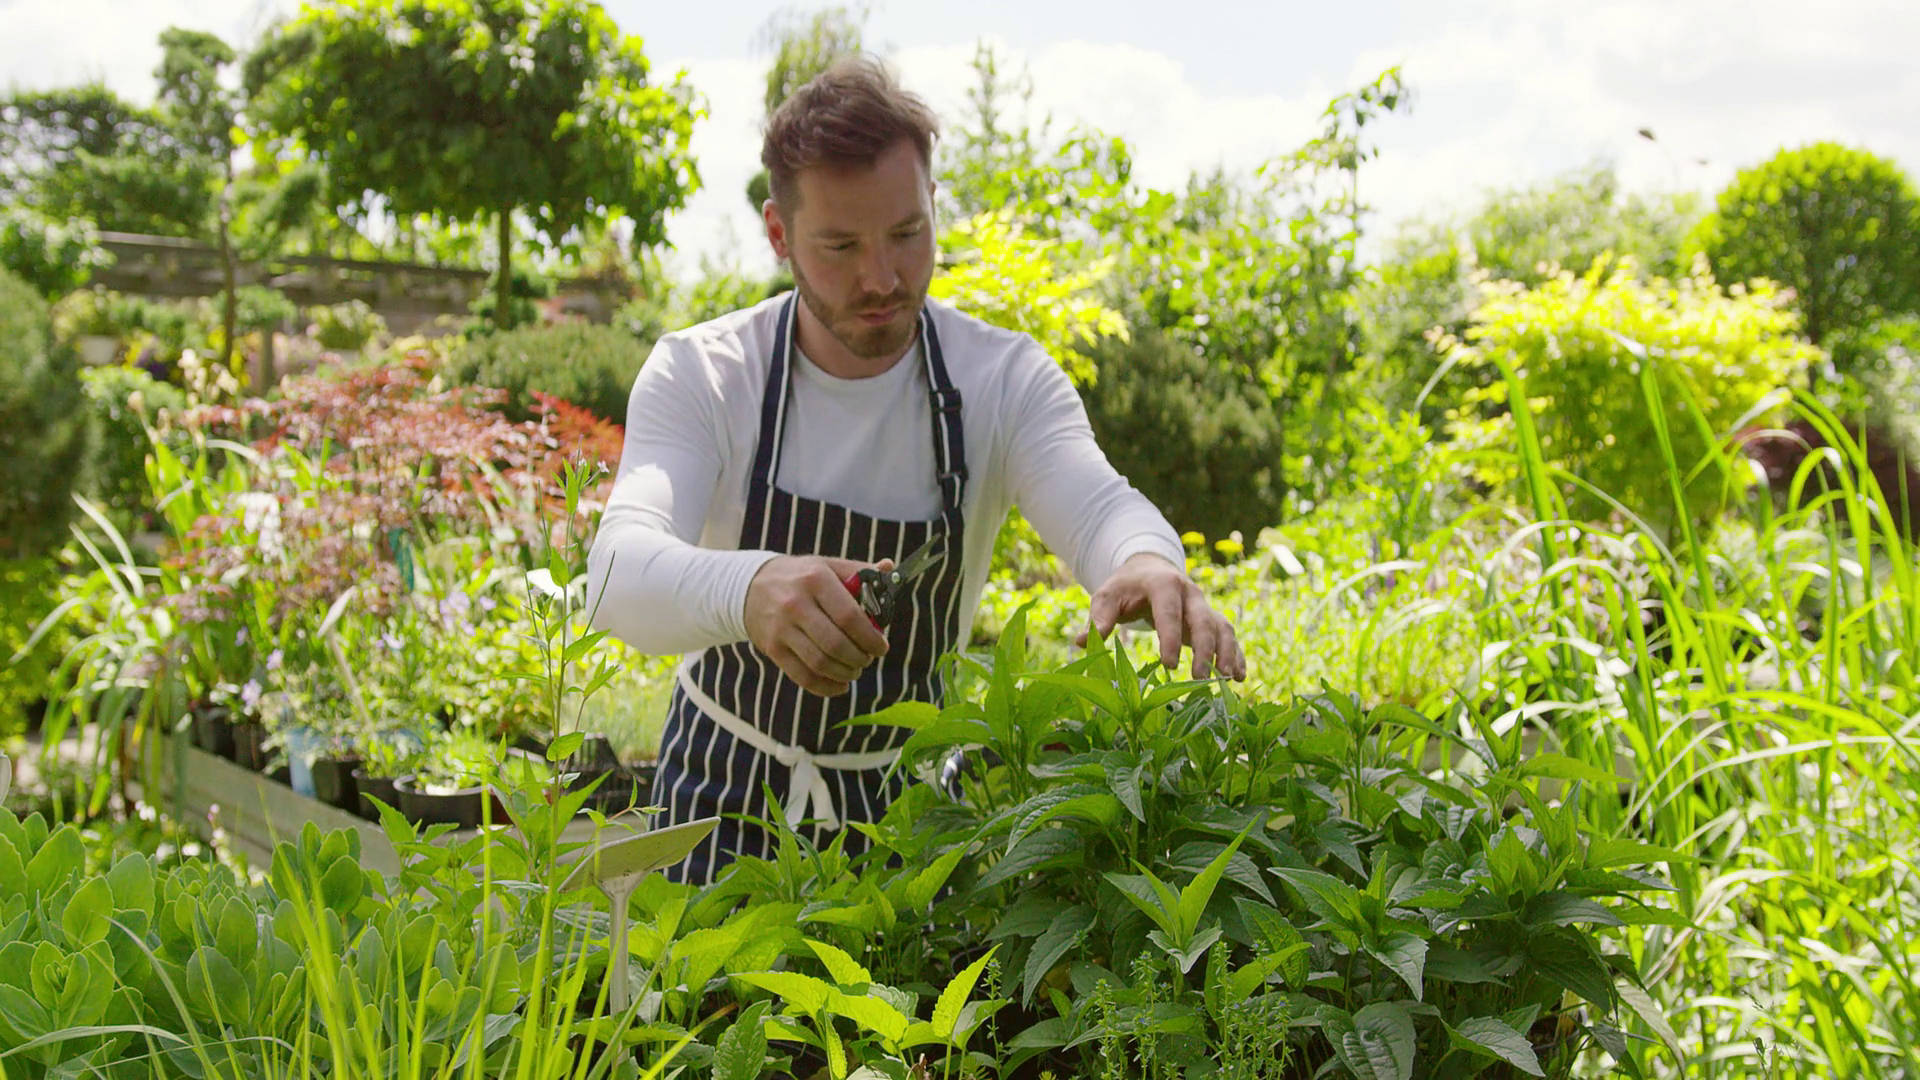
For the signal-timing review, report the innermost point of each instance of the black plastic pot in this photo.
(213, 730)
(333, 781)
(380, 787)
(460, 808)
(250, 745)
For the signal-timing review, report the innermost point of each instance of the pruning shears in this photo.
(879, 591)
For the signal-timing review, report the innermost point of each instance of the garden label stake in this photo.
(618, 867)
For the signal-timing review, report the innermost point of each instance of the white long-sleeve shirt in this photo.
(664, 569)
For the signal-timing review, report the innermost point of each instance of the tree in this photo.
(475, 109)
(803, 46)
(1575, 218)
(203, 113)
(1838, 225)
(83, 152)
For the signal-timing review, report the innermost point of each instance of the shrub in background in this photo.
(121, 401)
(50, 256)
(44, 439)
(1202, 444)
(1717, 355)
(582, 363)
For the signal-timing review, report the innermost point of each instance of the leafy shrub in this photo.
(347, 326)
(43, 426)
(29, 590)
(1201, 442)
(122, 401)
(587, 365)
(52, 257)
(1838, 225)
(1578, 345)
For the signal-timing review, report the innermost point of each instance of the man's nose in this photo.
(878, 275)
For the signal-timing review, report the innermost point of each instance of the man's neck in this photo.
(829, 355)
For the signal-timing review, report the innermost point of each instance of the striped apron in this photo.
(738, 727)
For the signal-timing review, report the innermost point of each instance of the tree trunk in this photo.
(503, 284)
(229, 274)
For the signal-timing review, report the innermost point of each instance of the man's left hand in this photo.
(1148, 584)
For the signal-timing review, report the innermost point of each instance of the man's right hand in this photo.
(800, 614)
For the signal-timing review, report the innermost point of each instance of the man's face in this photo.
(860, 243)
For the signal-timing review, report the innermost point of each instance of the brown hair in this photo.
(849, 114)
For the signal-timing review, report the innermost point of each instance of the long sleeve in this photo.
(649, 583)
(1061, 480)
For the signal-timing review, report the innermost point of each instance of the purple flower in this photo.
(240, 637)
(454, 608)
(273, 660)
(488, 603)
(250, 695)
(391, 640)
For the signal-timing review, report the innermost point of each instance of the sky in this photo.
(1505, 92)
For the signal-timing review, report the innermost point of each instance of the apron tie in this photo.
(807, 788)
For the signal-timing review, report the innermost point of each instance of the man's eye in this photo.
(844, 245)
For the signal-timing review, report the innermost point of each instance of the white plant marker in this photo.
(6, 775)
(618, 867)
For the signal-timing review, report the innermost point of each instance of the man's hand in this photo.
(800, 614)
(1148, 584)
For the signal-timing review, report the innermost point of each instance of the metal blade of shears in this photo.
(917, 563)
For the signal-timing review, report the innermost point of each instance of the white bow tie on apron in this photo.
(808, 788)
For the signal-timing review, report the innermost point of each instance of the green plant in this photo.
(126, 405)
(1839, 226)
(581, 363)
(560, 85)
(346, 326)
(53, 258)
(44, 437)
(1721, 360)
(1199, 442)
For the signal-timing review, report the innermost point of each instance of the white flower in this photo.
(542, 579)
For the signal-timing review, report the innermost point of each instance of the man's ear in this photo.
(776, 228)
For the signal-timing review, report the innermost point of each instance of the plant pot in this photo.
(460, 808)
(333, 781)
(250, 745)
(213, 730)
(379, 787)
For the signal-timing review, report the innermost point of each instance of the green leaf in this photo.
(1277, 936)
(1252, 976)
(1190, 954)
(88, 913)
(913, 715)
(566, 746)
(131, 880)
(946, 1011)
(1327, 896)
(1406, 954)
(1066, 931)
(1124, 781)
(1567, 959)
(342, 886)
(1155, 899)
(1489, 1036)
(1562, 767)
(1193, 898)
(871, 1013)
(801, 992)
(1045, 849)
(1377, 1043)
(1615, 851)
(61, 857)
(1099, 693)
(842, 968)
(1565, 909)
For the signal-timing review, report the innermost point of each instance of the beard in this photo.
(844, 323)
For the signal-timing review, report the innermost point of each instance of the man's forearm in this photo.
(664, 596)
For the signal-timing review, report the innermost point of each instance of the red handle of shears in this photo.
(853, 589)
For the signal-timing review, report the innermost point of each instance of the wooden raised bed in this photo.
(252, 813)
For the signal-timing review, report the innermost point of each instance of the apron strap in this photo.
(808, 786)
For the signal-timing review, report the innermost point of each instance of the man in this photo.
(775, 451)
